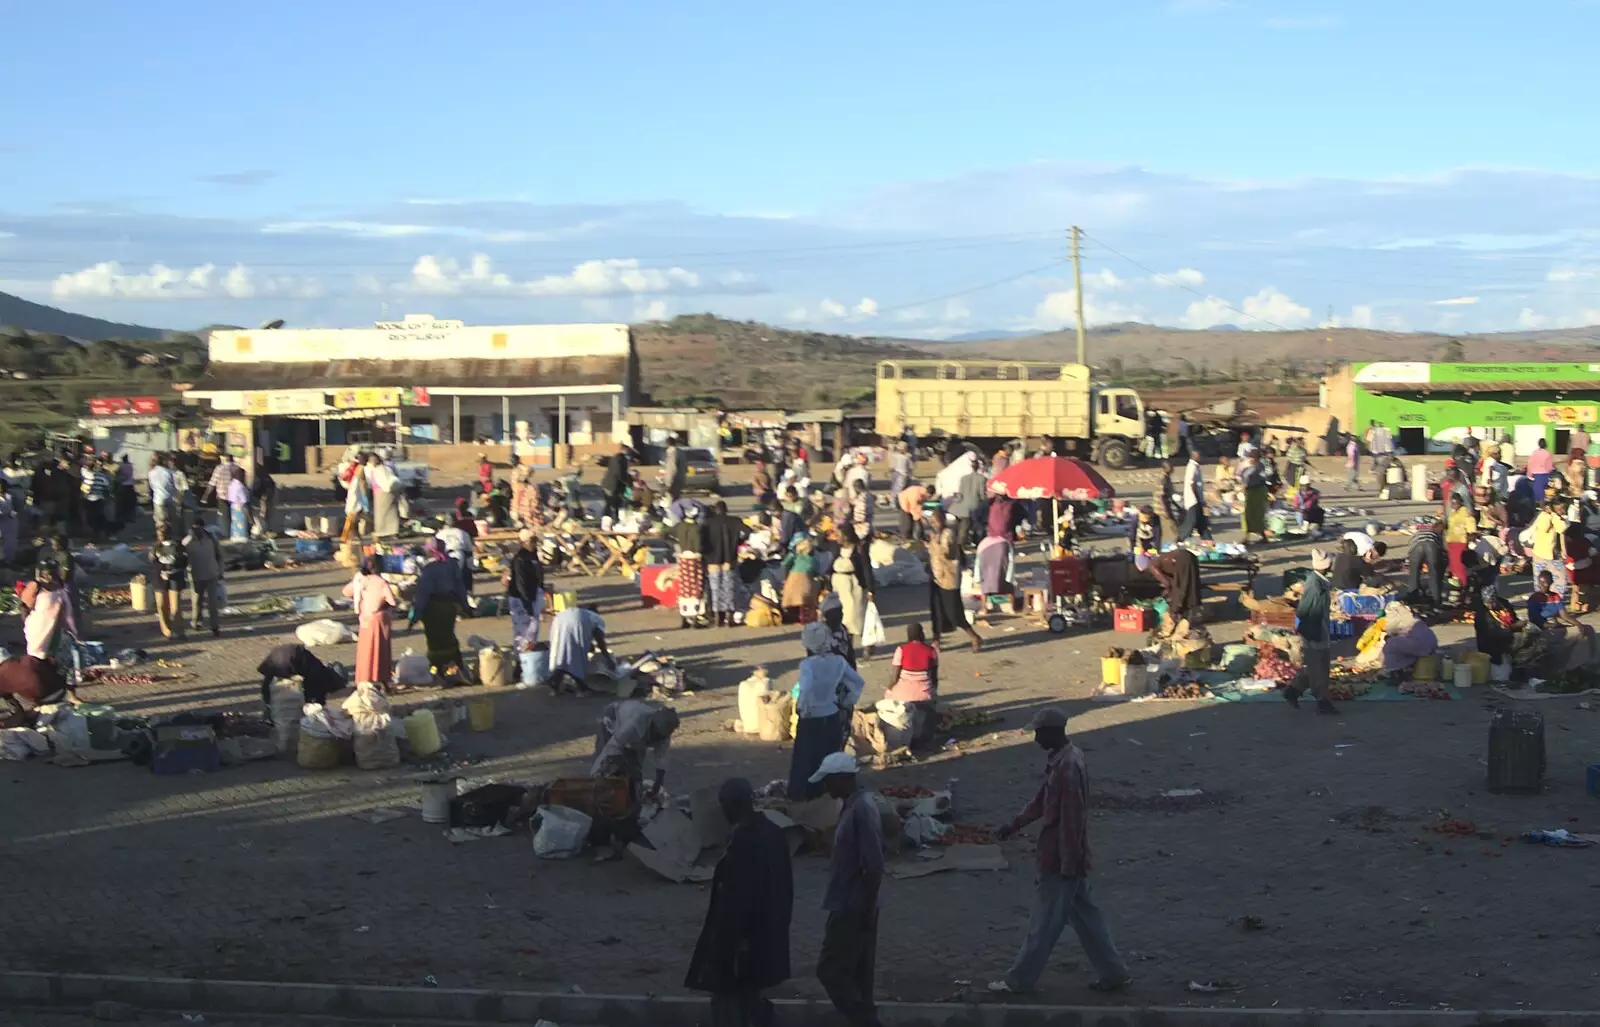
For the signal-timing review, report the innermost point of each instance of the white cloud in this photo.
(867, 307)
(444, 276)
(1265, 311)
(108, 280)
(655, 310)
(359, 229)
(1105, 278)
(831, 308)
(1360, 317)
(1571, 274)
(1270, 305)
(1059, 310)
(1577, 317)
(1183, 277)
(1458, 301)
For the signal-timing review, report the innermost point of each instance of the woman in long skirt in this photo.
(799, 590)
(238, 507)
(373, 600)
(385, 497)
(691, 568)
(847, 586)
(438, 600)
(826, 684)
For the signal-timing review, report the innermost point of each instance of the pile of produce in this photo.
(964, 718)
(1425, 689)
(968, 834)
(1185, 691)
(1275, 666)
(904, 792)
(105, 598)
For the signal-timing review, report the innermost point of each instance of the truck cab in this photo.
(1118, 425)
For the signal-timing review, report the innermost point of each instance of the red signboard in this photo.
(102, 406)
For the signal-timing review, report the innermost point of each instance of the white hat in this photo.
(834, 763)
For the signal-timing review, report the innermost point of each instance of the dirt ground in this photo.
(1305, 875)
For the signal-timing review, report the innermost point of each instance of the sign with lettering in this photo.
(366, 399)
(102, 406)
(1567, 414)
(292, 401)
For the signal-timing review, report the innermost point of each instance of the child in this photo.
(1145, 535)
(1544, 604)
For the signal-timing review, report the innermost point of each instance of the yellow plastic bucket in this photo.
(1110, 671)
(1480, 667)
(480, 714)
(1427, 669)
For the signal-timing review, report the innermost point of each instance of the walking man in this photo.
(1061, 805)
(850, 941)
(744, 944)
(204, 553)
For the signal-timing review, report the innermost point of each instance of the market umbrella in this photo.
(1051, 477)
(1054, 478)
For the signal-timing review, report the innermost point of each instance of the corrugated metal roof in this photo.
(559, 372)
(1591, 386)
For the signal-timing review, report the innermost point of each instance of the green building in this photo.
(1429, 407)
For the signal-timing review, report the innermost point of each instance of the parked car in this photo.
(700, 470)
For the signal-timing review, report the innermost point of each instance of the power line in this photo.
(880, 311)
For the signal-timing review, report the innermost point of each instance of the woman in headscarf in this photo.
(861, 509)
(847, 586)
(373, 599)
(799, 598)
(1583, 572)
(996, 561)
(1253, 477)
(437, 602)
(825, 686)
(385, 497)
(946, 609)
(357, 501)
(1407, 639)
(238, 506)
(1458, 532)
(686, 539)
(916, 681)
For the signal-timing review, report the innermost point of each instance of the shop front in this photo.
(1429, 407)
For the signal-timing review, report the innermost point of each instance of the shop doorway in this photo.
(1413, 441)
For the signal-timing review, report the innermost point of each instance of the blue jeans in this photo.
(1062, 901)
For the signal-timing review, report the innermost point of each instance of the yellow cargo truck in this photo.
(995, 401)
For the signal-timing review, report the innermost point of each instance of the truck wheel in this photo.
(1114, 454)
(1057, 624)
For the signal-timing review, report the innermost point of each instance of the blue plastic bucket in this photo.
(535, 666)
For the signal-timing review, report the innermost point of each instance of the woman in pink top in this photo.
(374, 598)
(1540, 463)
(916, 680)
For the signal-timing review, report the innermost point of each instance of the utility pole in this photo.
(1077, 289)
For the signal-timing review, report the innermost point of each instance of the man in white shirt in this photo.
(1381, 445)
(1193, 495)
(1363, 541)
(163, 491)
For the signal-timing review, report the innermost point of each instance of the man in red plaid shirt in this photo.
(1061, 806)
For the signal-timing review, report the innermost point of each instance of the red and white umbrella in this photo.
(1052, 477)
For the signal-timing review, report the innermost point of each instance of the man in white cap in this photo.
(848, 959)
(1312, 625)
(827, 687)
(1062, 806)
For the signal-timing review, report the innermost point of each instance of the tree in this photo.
(1454, 352)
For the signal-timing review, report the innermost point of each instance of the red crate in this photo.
(1069, 577)
(1134, 618)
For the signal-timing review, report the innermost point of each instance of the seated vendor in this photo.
(317, 679)
(1178, 570)
(1544, 605)
(916, 680)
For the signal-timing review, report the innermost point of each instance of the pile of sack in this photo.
(362, 724)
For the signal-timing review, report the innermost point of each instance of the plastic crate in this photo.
(1069, 577)
(1137, 619)
(1354, 603)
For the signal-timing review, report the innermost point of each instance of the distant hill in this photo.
(16, 312)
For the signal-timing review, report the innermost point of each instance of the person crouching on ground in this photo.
(631, 731)
(1063, 896)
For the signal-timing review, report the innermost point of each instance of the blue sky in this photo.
(863, 167)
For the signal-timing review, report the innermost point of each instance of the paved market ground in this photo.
(1314, 825)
